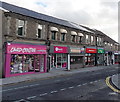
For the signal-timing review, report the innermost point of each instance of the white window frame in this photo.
(21, 25)
(39, 27)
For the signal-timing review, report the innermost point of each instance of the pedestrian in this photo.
(112, 61)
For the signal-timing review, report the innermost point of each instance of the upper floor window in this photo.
(39, 31)
(53, 35)
(62, 36)
(54, 31)
(92, 40)
(21, 28)
(73, 36)
(80, 37)
(87, 39)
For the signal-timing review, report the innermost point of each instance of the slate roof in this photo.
(40, 16)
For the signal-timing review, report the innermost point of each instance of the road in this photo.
(81, 86)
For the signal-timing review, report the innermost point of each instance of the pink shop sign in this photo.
(25, 49)
(60, 49)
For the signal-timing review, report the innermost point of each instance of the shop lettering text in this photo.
(23, 50)
(58, 49)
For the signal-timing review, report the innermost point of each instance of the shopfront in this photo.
(117, 57)
(100, 56)
(90, 56)
(24, 59)
(59, 57)
(76, 57)
(109, 57)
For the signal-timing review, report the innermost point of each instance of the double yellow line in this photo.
(109, 85)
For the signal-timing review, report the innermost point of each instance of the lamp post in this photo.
(48, 43)
(96, 57)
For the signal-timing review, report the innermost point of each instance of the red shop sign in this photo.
(91, 50)
(60, 49)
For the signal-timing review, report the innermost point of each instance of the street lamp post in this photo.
(96, 57)
(48, 43)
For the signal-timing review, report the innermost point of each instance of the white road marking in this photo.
(84, 84)
(31, 97)
(112, 70)
(43, 94)
(117, 67)
(21, 100)
(57, 80)
(63, 89)
(71, 87)
(6, 90)
(53, 92)
(91, 82)
(34, 85)
(68, 78)
(95, 81)
(112, 93)
(96, 73)
(78, 85)
(19, 88)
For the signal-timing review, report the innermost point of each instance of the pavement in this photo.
(55, 73)
(116, 80)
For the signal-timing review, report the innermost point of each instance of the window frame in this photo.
(39, 28)
(55, 34)
(63, 36)
(23, 26)
(73, 38)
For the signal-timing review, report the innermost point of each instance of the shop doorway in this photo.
(39, 61)
(59, 61)
(90, 59)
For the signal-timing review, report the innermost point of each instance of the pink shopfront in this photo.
(24, 59)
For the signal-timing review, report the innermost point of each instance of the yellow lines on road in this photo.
(109, 85)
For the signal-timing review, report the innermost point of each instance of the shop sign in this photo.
(25, 49)
(91, 50)
(60, 49)
(116, 52)
(100, 50)
(76, 50)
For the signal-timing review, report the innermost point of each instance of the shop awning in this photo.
(63, 31)
(80, 34)
(54, 29)
(73, 33)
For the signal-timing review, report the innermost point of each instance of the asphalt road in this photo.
(81, 86)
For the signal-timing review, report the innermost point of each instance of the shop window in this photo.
(53, 35)
(21, 63)
(73, 38)
(76, 60)
(26, 63)
(21, 28)
(62, 36)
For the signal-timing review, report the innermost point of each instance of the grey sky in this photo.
(98, 14)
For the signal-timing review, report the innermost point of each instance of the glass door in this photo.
(42, 61)
(58, 60)
(37, 63)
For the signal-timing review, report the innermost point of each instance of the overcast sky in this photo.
(97, 14)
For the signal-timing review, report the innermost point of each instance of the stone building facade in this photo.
(29, 37)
